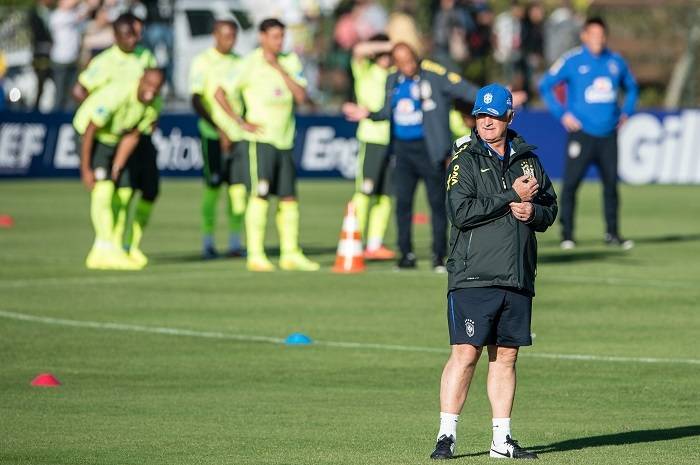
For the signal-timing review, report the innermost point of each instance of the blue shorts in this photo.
(482, 316)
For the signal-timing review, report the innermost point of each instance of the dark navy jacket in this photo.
(488, 246)
(438, 90)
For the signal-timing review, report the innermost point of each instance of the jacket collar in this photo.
(517, 144)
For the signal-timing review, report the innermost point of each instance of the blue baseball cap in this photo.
(494, 100)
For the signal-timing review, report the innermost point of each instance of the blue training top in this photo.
(407, 110)
(593, 85)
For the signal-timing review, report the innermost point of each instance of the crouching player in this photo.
(109, 123)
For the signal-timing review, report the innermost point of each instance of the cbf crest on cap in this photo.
(494, 100)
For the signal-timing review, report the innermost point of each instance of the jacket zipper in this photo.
(469, 247)
(504, 170)
(517, 251)
(518, 271)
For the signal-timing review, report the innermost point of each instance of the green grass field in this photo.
(613, 376)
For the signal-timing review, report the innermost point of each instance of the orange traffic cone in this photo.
(349, 258)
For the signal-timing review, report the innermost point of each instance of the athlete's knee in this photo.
(214, 180)
(150, 195)
(465, 355)
(506, 356)
(368, 186)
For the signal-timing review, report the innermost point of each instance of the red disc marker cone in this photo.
(6, 221)
(45, 380)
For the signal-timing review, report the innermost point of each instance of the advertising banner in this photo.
(654, 147)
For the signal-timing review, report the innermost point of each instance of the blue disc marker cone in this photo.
(298, 339)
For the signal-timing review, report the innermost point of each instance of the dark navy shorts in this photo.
(482, 316)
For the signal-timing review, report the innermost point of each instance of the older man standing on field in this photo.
(498, 196)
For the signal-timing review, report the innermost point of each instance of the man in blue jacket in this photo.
(594, 76)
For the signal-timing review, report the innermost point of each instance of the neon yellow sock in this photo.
(209, 200)
(379, 217)
(101, 210)
(121, 207)
(255, 222)
(288, 226)
(141, 218)
(237, 203)
(361, 202)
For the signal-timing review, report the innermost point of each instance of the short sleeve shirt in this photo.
(209, 71)
(370, 85)
(267, 100)
(114, 65)
(115, 110)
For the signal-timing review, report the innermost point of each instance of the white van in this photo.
(193, 23)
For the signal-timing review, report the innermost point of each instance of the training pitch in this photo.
(184, 362)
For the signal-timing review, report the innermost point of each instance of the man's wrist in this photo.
(515, 197)
(533, 215)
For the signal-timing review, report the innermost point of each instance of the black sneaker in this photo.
(237, 253)
(444, 449)
(616, 241)
(407, 262)
(510, 450)
(439, 265)
(209, 253)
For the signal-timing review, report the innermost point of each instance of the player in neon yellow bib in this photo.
(108, 122)
(271, 83)
(222, 164)
(370, 68)
(125, 62)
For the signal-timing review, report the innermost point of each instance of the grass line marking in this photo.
(345, 345)
(127, 277)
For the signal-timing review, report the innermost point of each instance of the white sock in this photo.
(501, 429)
(448, 425)
(373, 243)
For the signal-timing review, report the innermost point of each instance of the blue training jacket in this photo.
(593, 86)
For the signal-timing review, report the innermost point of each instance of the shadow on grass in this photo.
(668, 238)
(187, 257)
(665, 239)
(617, 439)
(582, 256)
(174, 257)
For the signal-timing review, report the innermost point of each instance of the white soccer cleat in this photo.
(510, 449)
(567, 245)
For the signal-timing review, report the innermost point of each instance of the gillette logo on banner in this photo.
(661, 149)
